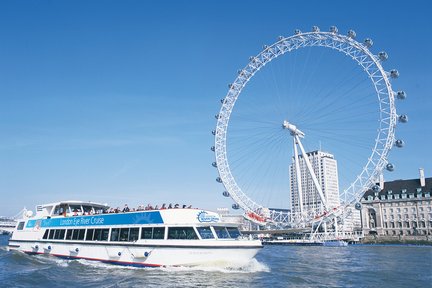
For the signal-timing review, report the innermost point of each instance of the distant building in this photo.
(402, 208)
(325, 168)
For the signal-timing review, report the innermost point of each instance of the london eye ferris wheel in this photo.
(312, 91)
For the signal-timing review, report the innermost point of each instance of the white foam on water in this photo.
(252, 267)
(99, 264)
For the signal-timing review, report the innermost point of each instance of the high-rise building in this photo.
(325, 168)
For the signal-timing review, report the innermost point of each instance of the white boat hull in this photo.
(146, 256)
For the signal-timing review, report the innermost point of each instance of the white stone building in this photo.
(325, 168)
(402, 208)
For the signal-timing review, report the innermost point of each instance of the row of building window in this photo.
(133, 234)
(396, 196)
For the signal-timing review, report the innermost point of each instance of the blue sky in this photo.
(114, 101)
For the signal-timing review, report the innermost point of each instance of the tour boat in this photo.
(150, 238)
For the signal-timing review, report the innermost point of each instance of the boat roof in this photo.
(76, 202)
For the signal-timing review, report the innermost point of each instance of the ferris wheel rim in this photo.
(356, 51)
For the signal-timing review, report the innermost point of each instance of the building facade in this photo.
(325, 168)
(401, 208)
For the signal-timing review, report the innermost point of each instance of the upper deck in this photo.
(77, 214)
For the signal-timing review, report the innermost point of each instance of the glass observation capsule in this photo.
(297, 31)
(368, 42)
(226, 194)
(214, 164)
(351, 34)
(315, 29)
(401, 95)
(403, 118)
(399, 143)
(212, 148)
(214, 132)
(358, 206)
(390, 167)
(333, 29)
(383, 56)
(376, 188)
(219, 180)
(235, 206)
(394, 73)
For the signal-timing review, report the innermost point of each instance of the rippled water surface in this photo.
(275, 266)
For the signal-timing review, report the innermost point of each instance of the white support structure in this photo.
(297, 134)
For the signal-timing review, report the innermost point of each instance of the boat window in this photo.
(87, 209)
(181, 233)
(147, 233)
(59, 234)
(81, 233)
(75, 209)
(45, 236)
(103, 235)
(90, 233)
(60, 209)
(221, 232)
(133, 234)
(233, 232)
(124, 234)
(78, 234)
(51, 234)
(159, 233)
(205, 232)
(69, 234)
(20, 226)
(115, 233)
(97, 234)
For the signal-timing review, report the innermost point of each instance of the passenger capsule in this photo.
(251, 58)
(358, 206)
(390, 167)
(217, 116)
(230, 85)
(265, 47)
(212, 148)
(376, 188)
(240, 72)
(382, 56)
(219, 180)
(223, 100)
(226, 194)
(368, 42)
(235, 206)
(399, 143)
(280, 38)
(297, 31)
(403, 118)
(214, 164)
(351, 34)
(333, 29)
(214, 132)
(394, 73)
(401, 95)
(315, 29)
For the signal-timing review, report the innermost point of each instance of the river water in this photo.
(275, 266)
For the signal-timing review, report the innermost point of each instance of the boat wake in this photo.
(253, 266)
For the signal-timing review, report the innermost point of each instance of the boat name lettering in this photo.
(204, 216)
(82, 221)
